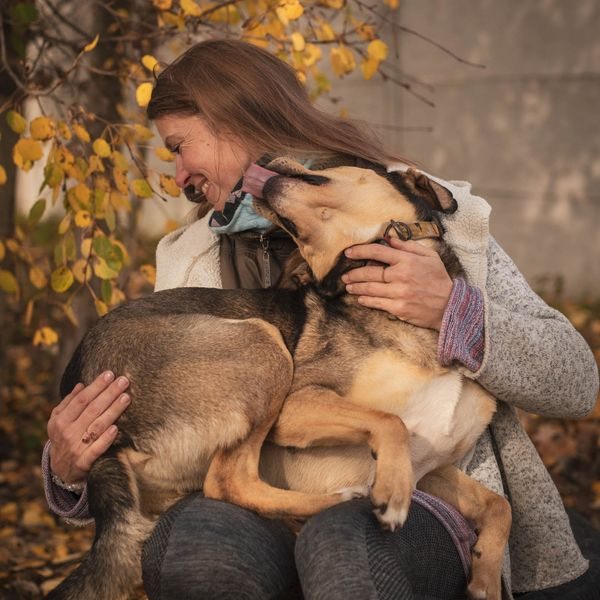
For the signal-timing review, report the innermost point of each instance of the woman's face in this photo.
(211, 163)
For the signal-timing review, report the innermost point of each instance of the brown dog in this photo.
(214, 373)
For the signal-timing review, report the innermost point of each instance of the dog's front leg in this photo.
(316, 416)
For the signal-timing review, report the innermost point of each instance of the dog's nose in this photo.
(255, 178)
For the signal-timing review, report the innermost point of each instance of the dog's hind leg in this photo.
(491, 515)
(112, 568)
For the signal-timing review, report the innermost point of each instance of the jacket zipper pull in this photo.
(264, 242)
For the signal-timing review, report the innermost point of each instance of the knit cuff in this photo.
(462, 333)
(71, 507)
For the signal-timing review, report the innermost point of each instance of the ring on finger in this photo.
(89, 436)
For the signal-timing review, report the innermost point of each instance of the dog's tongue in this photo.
(255, 178)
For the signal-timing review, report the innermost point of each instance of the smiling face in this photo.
(212, 163)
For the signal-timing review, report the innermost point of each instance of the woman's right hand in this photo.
(81, 428)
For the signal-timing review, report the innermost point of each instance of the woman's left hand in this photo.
(413, 284)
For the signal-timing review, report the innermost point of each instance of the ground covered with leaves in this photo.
(37, 551)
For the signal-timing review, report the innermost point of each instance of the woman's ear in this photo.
(436, 195)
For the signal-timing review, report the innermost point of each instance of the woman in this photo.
(221, 107)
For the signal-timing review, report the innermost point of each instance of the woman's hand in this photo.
(81, 428)
(414, 286)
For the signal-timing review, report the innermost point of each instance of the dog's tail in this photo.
(112, 568)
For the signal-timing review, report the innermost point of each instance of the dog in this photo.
(287, 401)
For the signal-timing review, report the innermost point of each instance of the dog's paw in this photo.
(390, 518)
(354, 492)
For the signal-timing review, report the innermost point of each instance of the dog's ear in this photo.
(436, 195)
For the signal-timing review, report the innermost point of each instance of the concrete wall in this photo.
(525, 130)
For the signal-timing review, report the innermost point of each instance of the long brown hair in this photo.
(244, 90)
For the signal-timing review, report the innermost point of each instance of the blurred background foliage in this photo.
(78, 166)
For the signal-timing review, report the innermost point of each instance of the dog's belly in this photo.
(444, 412)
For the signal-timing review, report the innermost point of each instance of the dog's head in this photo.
(327, 211)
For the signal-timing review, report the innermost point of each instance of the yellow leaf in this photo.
(65, 223)
(2, 250)
(337, 4)
(119, 160)
(42, 128)
(83, 218)
(95, 165)
(149, 62)
(101, 307)
(64, 131)
(148, 273)
(8, 282)
(312, 54)
(121, 180)
(70, 314)
(167, 183)
(342, 60)
(82, 193)
(86, 247)
(16, 122)
(141, 188)
(101, 148)
(298, 42)
(4, 177)
(378, 50)
(325, 33)
(190, 8)
(289, 10)
(164, 154)
(117, 296)
(368, 67)
(81, 132)
(143, 94)
(103, 271)
(120, 201)
(45, 336)
(89, 47)
(163, 4)
(141, 133)
(25, 152)
(393, 4)
(61, 279)
(38, 278)
(82, 270)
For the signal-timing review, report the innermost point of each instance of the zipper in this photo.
(264, 244)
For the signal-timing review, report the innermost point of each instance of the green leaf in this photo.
(102, 246)
(106, 290)
(17, 43)
(36, 212)
(70, 249)
(22, 15)
(16, 121)
(59, 254)
(110, 219)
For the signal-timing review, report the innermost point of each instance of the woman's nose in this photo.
(181, 175)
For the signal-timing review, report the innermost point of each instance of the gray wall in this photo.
(525, 130)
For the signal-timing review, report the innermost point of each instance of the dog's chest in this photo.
(425, 398)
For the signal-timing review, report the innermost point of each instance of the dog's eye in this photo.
(313, 179)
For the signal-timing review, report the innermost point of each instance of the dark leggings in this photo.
(213, 550)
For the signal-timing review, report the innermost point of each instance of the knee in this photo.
(205, 548)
